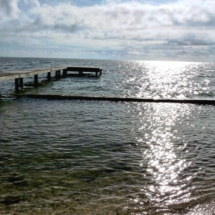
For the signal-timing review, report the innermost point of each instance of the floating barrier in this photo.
(120, 99)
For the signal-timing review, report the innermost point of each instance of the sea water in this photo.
(99, 157)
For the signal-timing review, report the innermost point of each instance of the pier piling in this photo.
(49, 76)
(21, 82)
(17, 84)
(58, 74)
(36, 80)
(64, 73)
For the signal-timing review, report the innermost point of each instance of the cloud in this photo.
(131, 27)
(9, 8)
(32, 3)
(130, 19)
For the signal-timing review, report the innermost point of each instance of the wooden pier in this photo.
(59, 72)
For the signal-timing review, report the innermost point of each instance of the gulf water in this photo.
(105, 158)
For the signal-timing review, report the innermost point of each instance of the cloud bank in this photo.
(182, 30)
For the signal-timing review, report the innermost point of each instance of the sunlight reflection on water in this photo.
(164, 164)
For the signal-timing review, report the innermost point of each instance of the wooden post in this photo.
(64, 73)
(49, 76)
(57, 74)
(36, 80)
(21, 82)
(17, 85)
(81, 73)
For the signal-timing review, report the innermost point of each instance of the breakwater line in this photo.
(119, 99)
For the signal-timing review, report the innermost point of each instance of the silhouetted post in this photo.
(36, 80)
(17, 85)
(64, 73)
(57, 74)
(49, 76)
(21, 82)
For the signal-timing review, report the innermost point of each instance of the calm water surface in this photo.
(94, 157)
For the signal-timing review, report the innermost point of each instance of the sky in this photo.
(182, 30)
